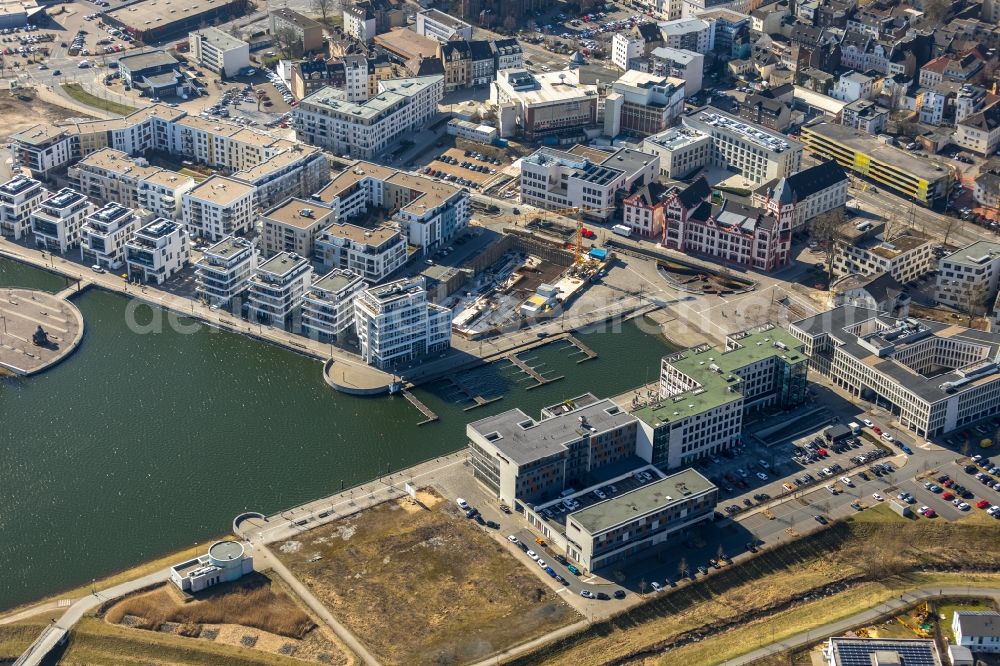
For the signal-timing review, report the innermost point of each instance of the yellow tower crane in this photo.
(574, 213)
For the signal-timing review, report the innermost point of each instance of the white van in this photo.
(621, 230)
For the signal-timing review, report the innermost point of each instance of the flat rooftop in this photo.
(901, 244)
(976, 254)
(678, 137)
(674, 489)
(362, 235)
(433, 193)
(299, 213)
(716, 119)
(219, 39)
(333, 282)
(547, 88)
(444, 19)
(714, 372)
(228, 247)
(281, 264)
(141, 61)
(276, 163)
(116, 162)
(524, 440)
(394, 92)
(153, 14)
(862, 142)
(350, 177)
(220, 190)
(39, 134)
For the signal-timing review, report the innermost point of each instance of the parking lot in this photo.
(464, 167)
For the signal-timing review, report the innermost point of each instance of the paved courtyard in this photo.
(22, 311)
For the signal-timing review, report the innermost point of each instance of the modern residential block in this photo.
(218, 207)
(57, 220)
(967, 279)
(276, 289)
(442, 27)
(293, 227)
(157, 251)
(373, 254)
(223, 273)
(584, 178)
(907, 256)
(397, 325)
(19, 196)
(640, 104)
(105, 232)
(328, 305)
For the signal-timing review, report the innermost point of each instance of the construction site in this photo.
(526, 277)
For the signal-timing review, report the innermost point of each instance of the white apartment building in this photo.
(42, 148)
(980, 132)
(293, 227)
(692, 34)
(681, 150)
(641, 104)
(429, 213)
(109, 175)
(541, 105)
(57, 220)
(853, 86)
(553, 179)
(19, 196)
(327, 119)
(397, 325)
(935, 377)
(805, 194)
(276, 289)
(906, 257)
(223, 273)
(105, 232)
(297, 171)
(157, 251)
(218, 207)
(682, 64)
(968, 278)
(443, 27)
(373, 254)
(977, 630)
(328, 305)
(359, 22)
(219, 51)
(625, 47)
(754, 151)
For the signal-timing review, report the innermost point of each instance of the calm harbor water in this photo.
(140, 444)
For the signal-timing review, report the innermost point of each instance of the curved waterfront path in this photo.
(22, 311)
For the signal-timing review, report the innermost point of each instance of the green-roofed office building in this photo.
(704, 393)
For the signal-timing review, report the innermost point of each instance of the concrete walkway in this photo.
(54, 634)
(263, 559)
(869, 616)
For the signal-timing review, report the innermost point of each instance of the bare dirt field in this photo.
(19, 114)
(421, 584)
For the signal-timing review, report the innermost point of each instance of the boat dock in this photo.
(531, 372)
(429, 416)
(471, 393)
(584, 349)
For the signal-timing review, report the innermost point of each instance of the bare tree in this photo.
(642, 586)
(324, 7)
(288, 41)
(682, 567)
(974, 299)
(948, 226)
(830, 228)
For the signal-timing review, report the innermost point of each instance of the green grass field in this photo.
(76, 91)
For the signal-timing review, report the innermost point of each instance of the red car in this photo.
(822, 453)
(983, 504)
(949, 483)
(878, 431)
(929, 513)
(948, 496)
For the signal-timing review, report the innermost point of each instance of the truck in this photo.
(621, 230)
(855, 427)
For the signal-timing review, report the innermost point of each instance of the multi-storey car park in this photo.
(933, 377)
(925, 181)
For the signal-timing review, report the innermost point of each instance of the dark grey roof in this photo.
(650, 32)
(979, 623)
(987, 120)
(480, 49)
(883, 287)
(695, 193)
(814, 179)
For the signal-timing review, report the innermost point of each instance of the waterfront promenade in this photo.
(358, 373)
(22, 312)
(345, 370)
